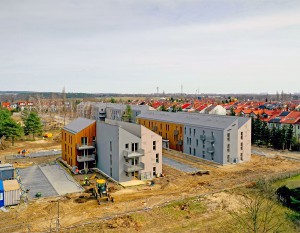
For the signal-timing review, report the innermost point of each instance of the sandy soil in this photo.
(40, 214)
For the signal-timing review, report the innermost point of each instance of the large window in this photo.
(228, 136)
(157, 158)
(242, 135)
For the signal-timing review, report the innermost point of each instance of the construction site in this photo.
(59, 200)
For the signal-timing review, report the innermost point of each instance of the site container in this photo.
(12, 193)
(1, 194)
(6, 171)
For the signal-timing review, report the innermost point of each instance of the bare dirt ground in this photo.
(75, 209)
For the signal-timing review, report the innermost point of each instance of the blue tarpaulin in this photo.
(1, 194)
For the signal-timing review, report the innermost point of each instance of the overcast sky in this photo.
(127, 46)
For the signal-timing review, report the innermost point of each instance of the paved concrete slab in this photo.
(60, 179)
(35, 180)
(178, 165)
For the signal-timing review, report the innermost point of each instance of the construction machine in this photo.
(100, 191)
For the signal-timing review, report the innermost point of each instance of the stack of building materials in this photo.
(6, 171)
(9, 192)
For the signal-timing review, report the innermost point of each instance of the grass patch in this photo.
(293, 182)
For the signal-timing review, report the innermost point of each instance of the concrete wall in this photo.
(106, 134)
(193, 145)
(126, 138)
(150, 155)
(232, 155)
(244, 136)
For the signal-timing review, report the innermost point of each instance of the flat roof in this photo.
(10, 185)
(197, 119)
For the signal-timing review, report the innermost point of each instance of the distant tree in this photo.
(127, 115)
(257, 130)
(265, 134)
(33, 124)
(11, 129)
(172, 99)
(289, 137)
(232, 112)
(179, 109)
(163, 108)
(112, 100)
(25, 113)
(282, 137)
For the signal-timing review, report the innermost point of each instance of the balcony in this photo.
(210, 150)
(211, 139)
(175, 132)
(132, 154)
(134, 168)
(202, 137)
(154, 128)
(85, 158)
(85, 146)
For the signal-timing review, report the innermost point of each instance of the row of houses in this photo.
(21, 105)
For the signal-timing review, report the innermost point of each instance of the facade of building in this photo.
(100, 111)
(78, 143)
(128, 151)
(221, 139)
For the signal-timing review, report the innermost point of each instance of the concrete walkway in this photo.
(179, 166)
(61, 180)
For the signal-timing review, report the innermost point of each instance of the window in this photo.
(154, 171)
(166, 127)
(212, 134)
(194, 151)
(241, 156)
(228, 158)
(203, 155)
(190, 150)
(187, 140)
(203, 146)
(228, 136)
(127, 146)
(190, 131)
(132, 173)
(136, 146)
(242, 135)
(110, 146)
(160, 125)
(157, 158)
(241, 146)
(110, 156)
(197, 143)
(203, 132)
(184, 130)
(166, 136)
(154, 145)
(111, 172)
(228, 147)
(194, 132)
(212, 156)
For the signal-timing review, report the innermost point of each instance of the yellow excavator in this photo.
(100, 191)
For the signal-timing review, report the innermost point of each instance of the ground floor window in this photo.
(154, 171)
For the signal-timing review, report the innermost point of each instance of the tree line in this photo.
(280, 138)
(10, 129)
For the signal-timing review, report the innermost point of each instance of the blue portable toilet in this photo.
(1, 194)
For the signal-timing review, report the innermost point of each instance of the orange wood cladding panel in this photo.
(167, 130)
(69, 142)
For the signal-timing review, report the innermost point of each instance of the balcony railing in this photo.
(210, 150)
(202, 137)
(85, 158)
(210, 139)
(132, 154)
(85, 146)
(134, 168)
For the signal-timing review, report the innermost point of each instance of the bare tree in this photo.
(259, 212)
